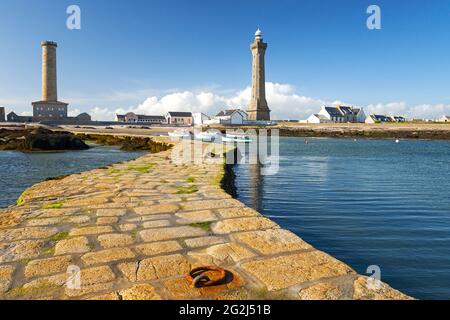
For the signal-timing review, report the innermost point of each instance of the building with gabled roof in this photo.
(179, 118)
(445, 119)
(318, 118)
(131, 117)
(342, 114)
(232, 116)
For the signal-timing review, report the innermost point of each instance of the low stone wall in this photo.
(136, 229)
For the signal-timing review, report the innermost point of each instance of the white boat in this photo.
(204, 136)
(180, 134)
(207, 135)
(237, 138)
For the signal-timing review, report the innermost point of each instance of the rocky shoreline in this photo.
(366, 134)
(352, 130)
(39, 140)
(126, 143)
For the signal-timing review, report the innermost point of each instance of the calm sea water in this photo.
(19, 171)
(366, 202)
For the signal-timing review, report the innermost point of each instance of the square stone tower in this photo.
(2, 114)
(258, 108)
(49, 108)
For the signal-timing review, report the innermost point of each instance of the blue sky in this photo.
(151, 56)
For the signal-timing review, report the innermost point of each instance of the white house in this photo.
(233, 117)
(445, 119)
(318, 118)
(341, 114)
(200, 118)
(377, 118)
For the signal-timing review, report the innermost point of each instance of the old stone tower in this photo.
(49, 108)
(258, 108)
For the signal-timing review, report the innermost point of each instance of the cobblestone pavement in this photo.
(136, 229)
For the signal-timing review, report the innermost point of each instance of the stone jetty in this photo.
(134, 230)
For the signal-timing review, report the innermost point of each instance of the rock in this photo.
(157, 209)
(195, 216)
(47, 266)
(108, 255)
(272, 241)
(115, 240)
(16, 251)
(107, 220)
(156, 224)
(243, 224)
(40, 139)
(139, 292)
(290, 270)
(368, 289)
(74, 245)
(156, 268)
(27, 233)
(127, 227)
(323, 291)
(238, 213)
(93, 280)
(160, 234)
(91, 230)
(221, 254)
(153, 249)
(204, 241)
(6, 274)
(213, 204)
(111, 212)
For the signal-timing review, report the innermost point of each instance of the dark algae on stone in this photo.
(39, 139)
(127, 143)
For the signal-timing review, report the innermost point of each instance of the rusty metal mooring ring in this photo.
(197, 277)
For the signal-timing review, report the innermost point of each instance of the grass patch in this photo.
(60, 236)
(21, 200)
(49, 252)
(217, 181)
(163, 181)
(202, 225)
(114, 171)
(143, 169)
(187, 190)
(54, 205)
(24, 262)
(190, 179)
(21, 291)
(261, 293)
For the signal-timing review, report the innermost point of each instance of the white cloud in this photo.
(423, 111)
(282, 99)
(100, 114)
(73, 112)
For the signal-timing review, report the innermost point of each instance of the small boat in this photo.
(206, 136)
(237, 138)
(180, 134)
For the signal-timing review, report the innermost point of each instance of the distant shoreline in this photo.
(355, 130)
(414, 131)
